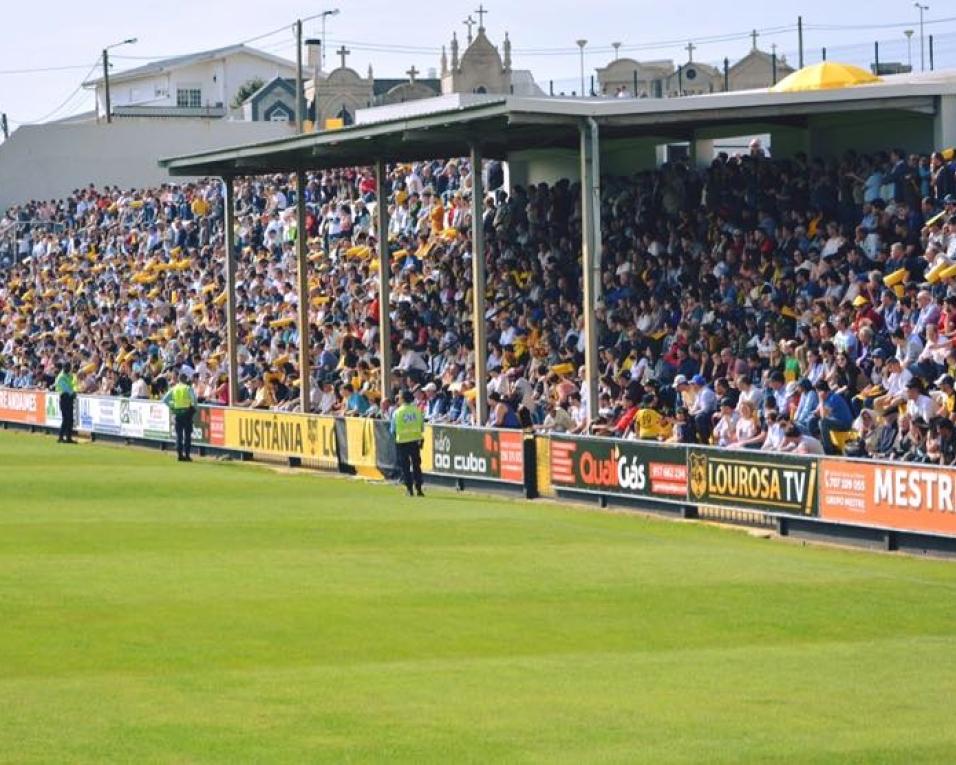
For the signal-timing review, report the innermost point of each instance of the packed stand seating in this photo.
(792, 305)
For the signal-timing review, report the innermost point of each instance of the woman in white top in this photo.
(748, 432)
(725, 431)
(776, 432)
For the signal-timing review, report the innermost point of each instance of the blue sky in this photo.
(393, 36)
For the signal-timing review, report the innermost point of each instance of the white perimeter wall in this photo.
(50, 161)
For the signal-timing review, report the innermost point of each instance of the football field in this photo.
(217, 612)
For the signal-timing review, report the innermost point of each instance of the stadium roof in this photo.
(505, 124)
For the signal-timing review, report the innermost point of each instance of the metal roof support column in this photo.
(590, 254)
(384, 278)
(232, 359)
(302, 291)
(478, 286)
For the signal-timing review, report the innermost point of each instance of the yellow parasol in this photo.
(824, 76)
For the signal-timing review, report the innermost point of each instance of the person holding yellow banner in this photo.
(181, 399)
(408, 428)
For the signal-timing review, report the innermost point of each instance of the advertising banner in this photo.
(284, 435)
(477, 453)
(753, 480)
(904, 496)
(627, 468)
(53, 417)
(208, 426)
(144, 419)
(100, 415)
(26, 406)
(360, 446)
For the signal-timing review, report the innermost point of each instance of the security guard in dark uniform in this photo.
(65, 384)
(181, 399)
(408, 427)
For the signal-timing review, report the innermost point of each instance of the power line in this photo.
(64, 102)
(40, 69)
(837, 27)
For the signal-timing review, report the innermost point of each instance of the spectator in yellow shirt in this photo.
(648, 421)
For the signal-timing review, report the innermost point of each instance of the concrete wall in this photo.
(50, 161)
(832, 136)
(543, 166)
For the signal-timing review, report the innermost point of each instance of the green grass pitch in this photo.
(217, 612)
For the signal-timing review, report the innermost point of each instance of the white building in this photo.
(200, 84)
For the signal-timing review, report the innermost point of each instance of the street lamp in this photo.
(909, 47)
(106, 74)
(617, 49)
(581, 44)
(324, 15)
(922, 60)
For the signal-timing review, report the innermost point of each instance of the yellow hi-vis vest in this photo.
(181, 398)
(409, 424)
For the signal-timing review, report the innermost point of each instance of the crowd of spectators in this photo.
(797, 305)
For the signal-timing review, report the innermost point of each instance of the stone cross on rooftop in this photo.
(481, 17)
(343, 52)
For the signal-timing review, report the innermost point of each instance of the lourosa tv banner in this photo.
(480, 453)
(630, 468)
(753, 480)
(26, 406)
(284, 435)
(902, 496)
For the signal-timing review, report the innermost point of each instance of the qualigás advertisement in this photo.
(478, 453)
(26, 406)
(627, 468)
(753, 480)
(905, 496)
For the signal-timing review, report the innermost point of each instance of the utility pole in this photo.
(106, 85)
(922, 58)
(106, 75)
(909, 48)
(800, 40)
(299, 88)
(4, 127)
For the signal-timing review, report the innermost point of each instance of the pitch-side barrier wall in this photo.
(889, 503)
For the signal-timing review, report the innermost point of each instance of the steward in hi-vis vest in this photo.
(66, 385)
(408, 427)
(181, 399)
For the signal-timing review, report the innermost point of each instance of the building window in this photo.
(189, 98)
